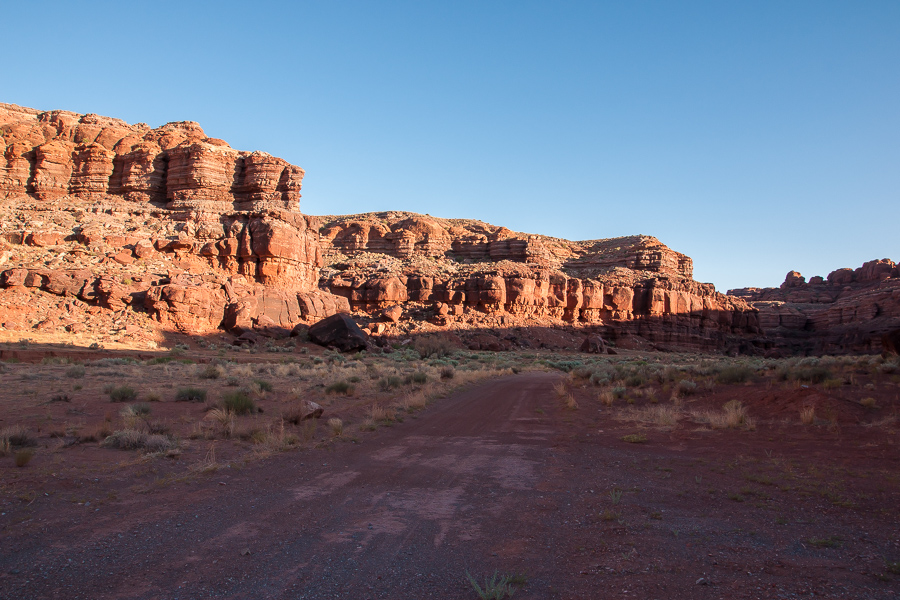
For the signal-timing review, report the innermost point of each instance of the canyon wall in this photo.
(850, 310)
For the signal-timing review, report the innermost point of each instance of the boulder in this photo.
(338, 331)
(393, 313)
(594, 344)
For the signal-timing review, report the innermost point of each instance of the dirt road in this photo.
(498, 477)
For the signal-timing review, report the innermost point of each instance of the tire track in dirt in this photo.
(403, 514)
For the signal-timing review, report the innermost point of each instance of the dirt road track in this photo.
(499, 476)
(403, 514)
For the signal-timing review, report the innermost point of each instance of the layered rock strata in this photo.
(459, 273)
(221, 228)
(847, 311)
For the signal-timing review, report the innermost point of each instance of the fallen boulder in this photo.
(339, 331)
(594, 344)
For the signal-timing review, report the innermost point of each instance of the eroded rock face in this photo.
(226, 223)
(51, 154)
(849, 311)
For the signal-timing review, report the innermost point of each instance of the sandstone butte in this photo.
(113, 232)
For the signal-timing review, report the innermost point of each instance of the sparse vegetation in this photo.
(496, 587)
(122, 393)
(239, 403)
(190, 394)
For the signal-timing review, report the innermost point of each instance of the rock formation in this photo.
(194, 234)
(849, 311)
(462, 273)
(137, 230)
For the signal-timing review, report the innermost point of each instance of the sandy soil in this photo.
(501, 476)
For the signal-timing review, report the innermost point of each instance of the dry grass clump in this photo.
(685, 387)
(415, 400)
(447, 372)
(132, 439)
(657, 415)
(336, 426)
(808, 415)
(433, 347)
(732, 374)
(122, 393)
(16, 436)
(571, 403)
(606, 397)
(224, 418)
(732, 416)
(559, 388)
(868, 402)
(210, 371)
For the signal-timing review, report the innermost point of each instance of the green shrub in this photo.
(340, 387)
(190, 394)
(122, 393)
(131, 439)
(263, 385)
(735, 374)
(419, 377)
(388, 383)
(239, 402)
(75, 371)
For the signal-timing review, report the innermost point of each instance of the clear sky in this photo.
(756, 137)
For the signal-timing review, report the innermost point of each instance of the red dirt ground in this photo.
(500, 476)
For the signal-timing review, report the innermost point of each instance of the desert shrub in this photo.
(190, 394)
(813, 374)
(263, 385)
(390, 382)
(140, 409)
(340, 387)
(152, 397)
(435, 346)
(447, 372)
(23, 456)
(210, 371)
(16, 435)
(599, 378)
(582, 373)
(686, 387)
(75, 371)
(418, 377)
(635, 380)
(239, 402)
(734, 374)
(131, 439)
(122, 393)
(868, 402)
(634, 438)
(619, 392)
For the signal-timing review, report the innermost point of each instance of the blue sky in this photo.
(756, 137)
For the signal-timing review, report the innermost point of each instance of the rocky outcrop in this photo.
(48, 155)
(226, 224)
(848, 311)
(458, 273)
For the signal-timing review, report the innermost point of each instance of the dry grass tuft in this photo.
(732, 416)
(131, 439)
(337, 426)
(571, 403)
(808, 415)
(560, 389)
(224, 418)
(606, 397)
